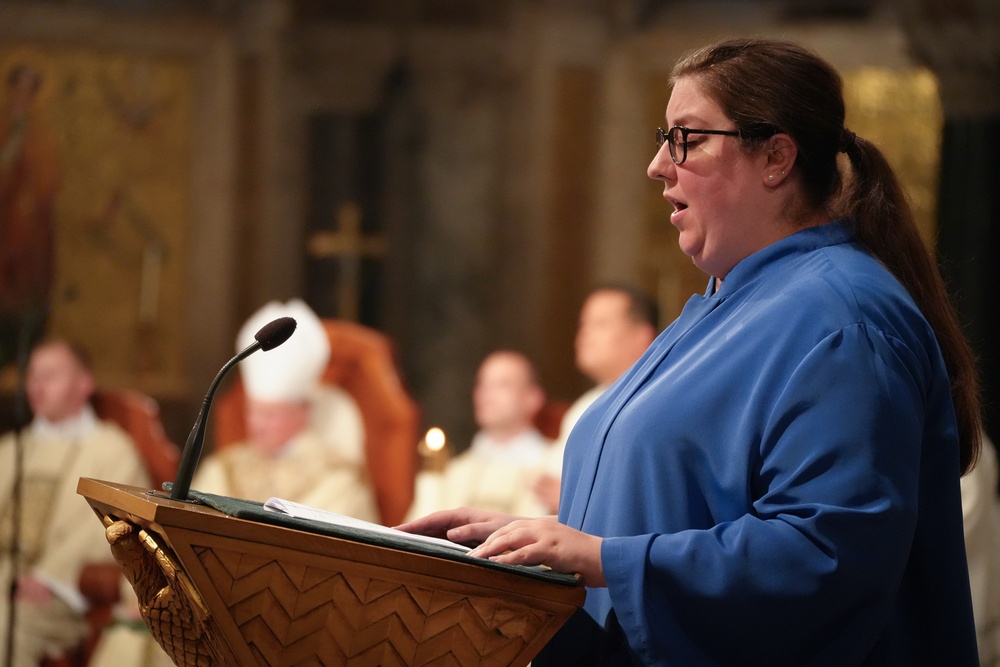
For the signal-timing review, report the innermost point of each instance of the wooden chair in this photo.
(362, 362)
(139, 416)
(549, 418)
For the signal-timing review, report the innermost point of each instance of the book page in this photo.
(301, 511)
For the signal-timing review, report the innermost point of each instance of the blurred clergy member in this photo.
(303, 440)
(58, 533)
(507, 454)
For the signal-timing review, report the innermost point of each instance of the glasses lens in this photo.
(661, 137)
(678, 146)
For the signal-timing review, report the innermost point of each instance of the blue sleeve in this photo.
(832, 515)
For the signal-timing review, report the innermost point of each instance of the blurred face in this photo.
(271, 425)
(608, 341)
(57, 385)
(505, 399)
(714, 191)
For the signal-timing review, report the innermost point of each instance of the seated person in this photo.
(499, 468)
(618, 321)
(304, 443)
(59, 533)
(284, 454)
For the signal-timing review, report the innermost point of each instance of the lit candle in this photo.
(435, 439)
(433, 449)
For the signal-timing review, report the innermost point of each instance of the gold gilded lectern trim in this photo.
(168, 603)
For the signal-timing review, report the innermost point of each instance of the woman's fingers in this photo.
(463, 525)
(549, 543)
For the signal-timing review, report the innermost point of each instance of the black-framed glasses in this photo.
(677, 138)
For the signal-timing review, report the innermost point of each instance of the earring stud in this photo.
(770, 177)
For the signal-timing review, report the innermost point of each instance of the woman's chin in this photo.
(690, 247)
(699, 259)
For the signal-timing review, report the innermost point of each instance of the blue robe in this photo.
(777, 478)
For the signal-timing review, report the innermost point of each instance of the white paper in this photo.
(71, 596)
(298, 510)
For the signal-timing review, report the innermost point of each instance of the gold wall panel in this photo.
(122, 127)
(901, 113)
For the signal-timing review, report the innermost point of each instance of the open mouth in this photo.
(678, 205)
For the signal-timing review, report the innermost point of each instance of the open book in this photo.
(298, 510)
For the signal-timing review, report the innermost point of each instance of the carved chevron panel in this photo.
(292, 614)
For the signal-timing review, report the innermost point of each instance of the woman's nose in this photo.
(662, 167)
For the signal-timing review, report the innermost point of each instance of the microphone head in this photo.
(275, 332)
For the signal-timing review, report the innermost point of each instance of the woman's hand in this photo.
(546, 542)
(463, 525)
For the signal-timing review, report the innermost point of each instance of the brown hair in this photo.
(642, 307)
(772, 86)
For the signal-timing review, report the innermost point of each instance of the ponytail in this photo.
(884, 224)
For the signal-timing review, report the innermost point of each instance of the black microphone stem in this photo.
(16, 500)
(14, 552)
(196, 439)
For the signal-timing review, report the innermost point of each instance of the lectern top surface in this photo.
(254, 511)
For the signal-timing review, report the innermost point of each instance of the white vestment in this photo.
(490, 475)
(307, 471)
(553, 462)
(336, 419)
(60, 533)
(981, 514)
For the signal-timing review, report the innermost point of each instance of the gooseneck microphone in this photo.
(270, 336)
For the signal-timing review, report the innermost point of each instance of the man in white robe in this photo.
(506, 456)
(292, 451)
(59, 533)
(304, 443)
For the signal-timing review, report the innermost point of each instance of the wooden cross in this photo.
(348, 245)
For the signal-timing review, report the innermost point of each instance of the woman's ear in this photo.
(781, 154)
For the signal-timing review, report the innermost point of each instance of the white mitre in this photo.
(291, 372)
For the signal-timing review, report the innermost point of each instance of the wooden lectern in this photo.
(216, 589)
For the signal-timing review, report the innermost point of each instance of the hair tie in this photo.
(847, 140)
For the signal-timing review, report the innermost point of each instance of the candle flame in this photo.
(435, 439)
